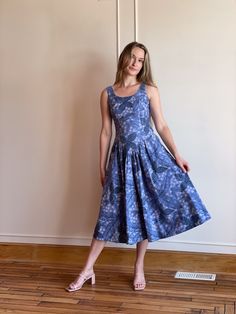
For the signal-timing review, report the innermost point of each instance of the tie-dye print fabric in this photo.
(145, 195)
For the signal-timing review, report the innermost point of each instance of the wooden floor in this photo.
(38, 287)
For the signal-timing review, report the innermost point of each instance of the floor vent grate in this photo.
(195, 276)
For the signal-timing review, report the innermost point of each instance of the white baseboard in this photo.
(171, 245)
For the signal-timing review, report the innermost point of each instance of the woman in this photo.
(147, 193)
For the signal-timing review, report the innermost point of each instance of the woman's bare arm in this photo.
(105, 135)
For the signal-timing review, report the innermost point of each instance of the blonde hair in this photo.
(145, 74)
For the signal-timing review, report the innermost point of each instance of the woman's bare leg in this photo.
(96, 248)
(139, 279)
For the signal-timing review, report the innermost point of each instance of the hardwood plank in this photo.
(70, 308)
(19, 302)
(14, 311)
(18, 297)
(220, 310)
(173, 308)
(230, 308)
(50, 310)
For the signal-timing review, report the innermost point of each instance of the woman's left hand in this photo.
(183, 164)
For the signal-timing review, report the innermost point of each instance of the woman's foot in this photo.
(84, 276)
(139, 281)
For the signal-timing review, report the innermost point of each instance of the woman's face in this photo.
(136, 62)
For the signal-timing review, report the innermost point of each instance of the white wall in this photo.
(57, 55)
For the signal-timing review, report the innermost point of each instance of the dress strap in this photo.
(143, 89)
(109, 90)
(143, 86)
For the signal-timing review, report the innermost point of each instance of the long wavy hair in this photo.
(145, 74)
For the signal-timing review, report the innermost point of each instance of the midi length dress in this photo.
(146, 195)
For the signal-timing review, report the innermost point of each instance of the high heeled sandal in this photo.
(74, 287)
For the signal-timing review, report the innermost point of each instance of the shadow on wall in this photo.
(83, 189)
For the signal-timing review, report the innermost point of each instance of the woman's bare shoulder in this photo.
(104, 97)
(104, 92)
(151, 90)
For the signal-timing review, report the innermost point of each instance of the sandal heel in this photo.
(93, 279)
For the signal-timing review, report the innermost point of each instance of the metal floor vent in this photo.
(195, 276)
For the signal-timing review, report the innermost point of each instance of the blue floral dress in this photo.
(146, 195)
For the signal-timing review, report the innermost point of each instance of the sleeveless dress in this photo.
(146, 195)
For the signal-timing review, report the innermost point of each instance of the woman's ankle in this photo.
(87, 270)
(138, 267)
